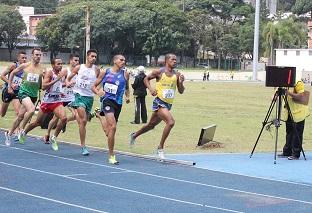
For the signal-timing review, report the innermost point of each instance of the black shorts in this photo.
(7, 97)
(66, 103)
(110, 106)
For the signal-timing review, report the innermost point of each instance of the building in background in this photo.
(310, 34)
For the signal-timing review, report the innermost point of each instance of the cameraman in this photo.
(298, 104)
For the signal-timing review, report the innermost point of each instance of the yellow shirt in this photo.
(298, 111)
(166, 87)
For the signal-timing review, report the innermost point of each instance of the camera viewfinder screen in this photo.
(280, 76)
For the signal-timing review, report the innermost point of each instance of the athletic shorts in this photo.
(82, 101)
(110, 106)
(159, 103)
(50, 107)
(66, 103)
(7, 97)
(22, 95)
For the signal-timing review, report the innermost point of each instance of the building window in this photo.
(285, 52)
(297, 53)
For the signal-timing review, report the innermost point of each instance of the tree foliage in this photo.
(11, 26)
(46, 6)
(302, 7)
(285, 33)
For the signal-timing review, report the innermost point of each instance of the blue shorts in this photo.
(159, 103)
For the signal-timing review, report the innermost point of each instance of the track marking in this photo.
(120, 172)
(166, 178)
(73, 175)
(121, 188)
(52, 200)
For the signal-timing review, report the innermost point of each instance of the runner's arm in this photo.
(72, 74)
(97, 82)
(47, 83)
(180, 80)
(127, 92)
(16, 70)
(152, 75)
(7, 71)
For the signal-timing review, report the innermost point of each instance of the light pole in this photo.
(256, 42)
(87, 31)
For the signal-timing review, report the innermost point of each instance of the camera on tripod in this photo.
(278, 76)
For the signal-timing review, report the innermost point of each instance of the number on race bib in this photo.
(32, 77)
(17, 80)
(168, 93)
(85, 84)
(110, 88)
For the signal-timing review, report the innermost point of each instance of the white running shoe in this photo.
(161, 154)
(7, 138)
(132, 139)
(54, 143)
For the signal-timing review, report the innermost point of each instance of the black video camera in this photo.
(277, 76)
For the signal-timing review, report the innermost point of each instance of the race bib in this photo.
(68, 91)
(110, 88)
(17, 81)
(168, 93)
(85, 84)
(32, 77)
(56, 87)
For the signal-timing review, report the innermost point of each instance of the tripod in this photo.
(279, 94)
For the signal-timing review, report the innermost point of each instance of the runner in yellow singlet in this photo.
(167, 80)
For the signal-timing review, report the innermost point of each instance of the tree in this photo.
(11, 26)
(41, 6)
(286, 33)
(49, 34)
(302, 7)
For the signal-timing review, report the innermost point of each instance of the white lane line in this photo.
(53, 200)
(120, 172)
(120, 188)
(72, 175)
(142, 173)
(167, 178)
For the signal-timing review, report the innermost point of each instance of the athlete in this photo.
(115, 83)
(28, 92)
(167, 80)
(85, 74)
(51, 101)
(7, 98)
(67, 97)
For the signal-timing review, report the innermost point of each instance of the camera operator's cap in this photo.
(140, 68)
(299, 87)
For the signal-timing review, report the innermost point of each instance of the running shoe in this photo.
(7, 138)
(161, 153)
(15, 138)
(112, 160)
(46, 139)
(21, 137)
(93, 114)
(132, 139)
(84, 151)
(54, 143)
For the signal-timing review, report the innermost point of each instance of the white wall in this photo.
(26, 12)
(302, 62)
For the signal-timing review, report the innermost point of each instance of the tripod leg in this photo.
(264, 123)
(294, 126)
